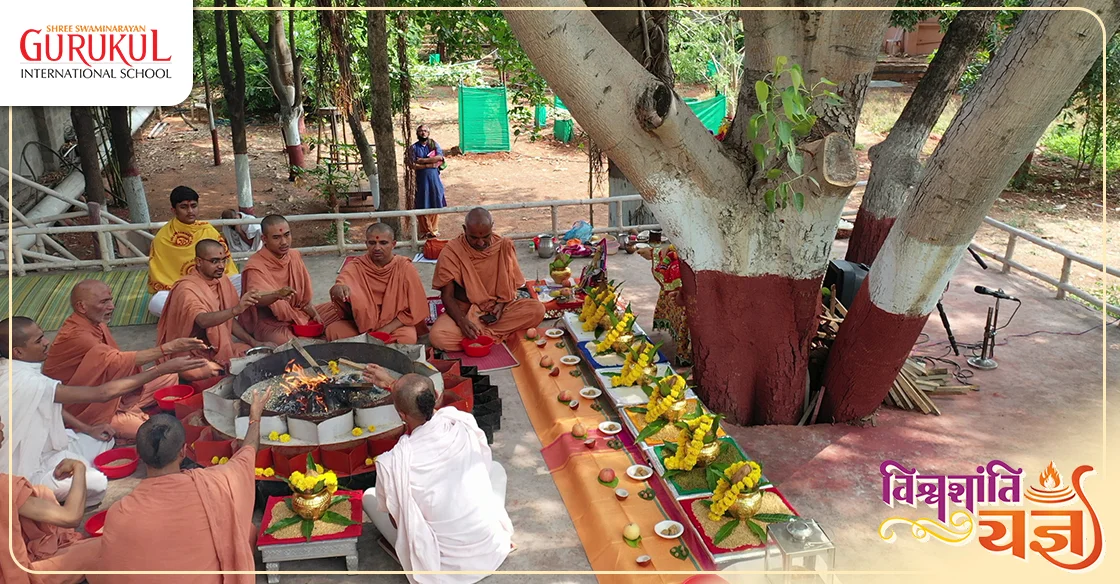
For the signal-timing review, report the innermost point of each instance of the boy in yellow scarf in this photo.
(172, 255)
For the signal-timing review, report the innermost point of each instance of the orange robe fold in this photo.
(491, 274)
(85, 354)
(191, 296)
(205, 523)
(40, 546)
(377, 296)
(264, 272)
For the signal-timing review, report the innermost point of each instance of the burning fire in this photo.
(1050, 479)
(296, 379)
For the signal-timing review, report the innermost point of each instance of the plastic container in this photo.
(117, 472)
(95, 523)
(309, 330)
(383, 337)
(168, 396)
(477, 347)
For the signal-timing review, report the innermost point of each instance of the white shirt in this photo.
(234, 241)
(36, 430)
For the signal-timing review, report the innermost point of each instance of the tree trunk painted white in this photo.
(136, 198)
(752, 276)
(1020, 93)
(244, 183)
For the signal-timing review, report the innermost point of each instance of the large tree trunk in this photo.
(381, 112)
(1003, 117)
(336, 23)
(895, 164)
(233, 83)
(405, 86)
(753, 275)
(285, 75)
(82, 118)
(121, 132)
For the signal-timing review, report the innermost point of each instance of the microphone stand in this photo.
(948, 330)
(985, 362)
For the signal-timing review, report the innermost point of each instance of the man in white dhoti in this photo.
(440, 497)
(38, 434)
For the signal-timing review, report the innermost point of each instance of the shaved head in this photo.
(415, 397)
(380, 229)
(87, 289)
(22, 328)
(206, 246)
(160, 441)
(479, 217)
(271, 221)
(93, 299)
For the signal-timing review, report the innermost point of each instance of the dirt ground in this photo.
(1051, 205)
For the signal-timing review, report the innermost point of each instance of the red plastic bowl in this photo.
(477, 347)
(178, 392)
(383, 337)
(117, 472)
(95, 523)
(309, 330)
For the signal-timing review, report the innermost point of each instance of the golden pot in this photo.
(622, 345)
(746, 505)
(560, 276)
(677, 411)
(311, 506)
(708, 453)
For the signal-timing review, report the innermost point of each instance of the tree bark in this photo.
(1020, 93)
(121, 131)
(405, 86)
(233, 84)
(335, 23)
(82, 118)
(895, 164)
(285, 75)
(206, 87)
(708, 195)
(381, 112)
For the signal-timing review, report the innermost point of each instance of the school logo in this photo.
(85, 52)
(1055, 521)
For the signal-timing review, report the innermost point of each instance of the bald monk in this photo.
(43, 536)
(377, 292)
(278, 276)
(84, 353)
(478, 276)
(194, 520)
(204, 305)
(440, 496)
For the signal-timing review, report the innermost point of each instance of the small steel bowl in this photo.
(259, 351)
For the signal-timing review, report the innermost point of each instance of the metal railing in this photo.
(108, 259)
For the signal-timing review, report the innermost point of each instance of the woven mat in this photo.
(46, 297)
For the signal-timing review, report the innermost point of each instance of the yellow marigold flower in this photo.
(214, 460)
(369, 462)
(223, 460)
(356, 431)
(319, 468)
(371, 428)
(274, 435)
(269, 472)
(258, 471)
(285, 438)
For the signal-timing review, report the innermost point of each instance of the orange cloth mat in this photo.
(598, 515)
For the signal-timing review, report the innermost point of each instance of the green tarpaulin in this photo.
(711, 111)
(483, 119)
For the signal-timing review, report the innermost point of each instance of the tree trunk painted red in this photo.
(295, 155)
(755, 373)
(866, 354)
(867, 237)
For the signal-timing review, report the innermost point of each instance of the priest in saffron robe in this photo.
(43, 535)
(478, 276)
(172, 253)
(194, 520)
(379, 291)
(204, 305)
(440, 497)
(40, 440)
(85, 354)
(279, 278)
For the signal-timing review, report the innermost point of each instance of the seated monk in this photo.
(478, 276)
(43, 536)
(440, 497)
(84, 353)
(172, 253)
(283, 287)
(377, 292)
(194, 520)
(40, 440)
(204, 305)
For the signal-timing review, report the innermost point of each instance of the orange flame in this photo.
(1050, 478)
(296, 378)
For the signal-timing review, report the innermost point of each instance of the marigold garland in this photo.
(658, 403)
(725, 493)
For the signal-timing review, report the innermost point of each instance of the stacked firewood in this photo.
(916, 383)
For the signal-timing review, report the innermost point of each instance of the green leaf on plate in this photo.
(725, 531)
(773, 517)
(650, 430)
(633, 542)
(706, 502)
(283, 523)
(670, 447)
(307, 527)
(758, 530)
(335, 518)
(638, 410)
